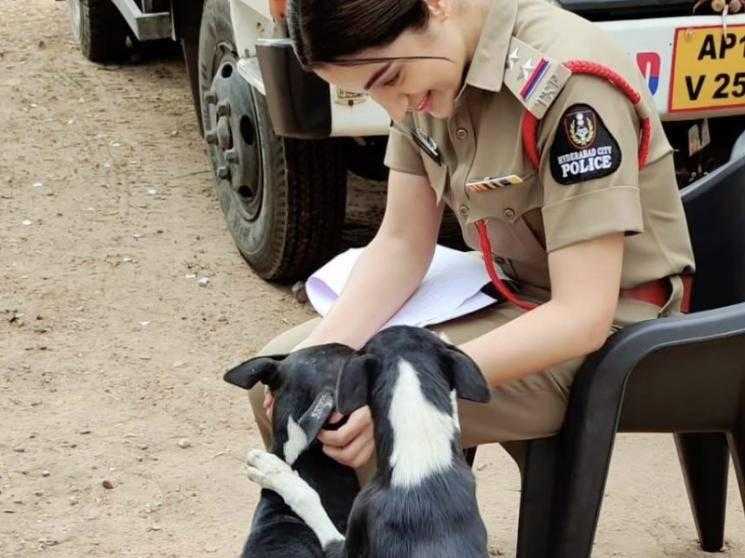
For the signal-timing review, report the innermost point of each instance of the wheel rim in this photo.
(75, 17)
(235, 144)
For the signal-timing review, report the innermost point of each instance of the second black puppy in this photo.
(422, 501)
(303, 384)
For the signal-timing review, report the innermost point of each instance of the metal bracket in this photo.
(146, 27)
(249, 69)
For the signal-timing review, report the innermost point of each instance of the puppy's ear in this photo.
(353, 382)
(468, 381)
(259, 369)
(316, 416)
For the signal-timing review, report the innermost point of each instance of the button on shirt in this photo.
(528, 220)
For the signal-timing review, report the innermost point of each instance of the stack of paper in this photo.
(451, 288)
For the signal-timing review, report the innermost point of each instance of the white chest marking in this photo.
(296, 442)
(422, 434)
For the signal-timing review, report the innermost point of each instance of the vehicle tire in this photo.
(100, 30)
(283, 199)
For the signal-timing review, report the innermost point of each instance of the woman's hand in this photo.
(353, 444)
(268, 404)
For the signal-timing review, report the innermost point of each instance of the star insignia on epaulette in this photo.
(527, 69)
(513, 57)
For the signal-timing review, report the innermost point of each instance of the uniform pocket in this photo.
(508, 204)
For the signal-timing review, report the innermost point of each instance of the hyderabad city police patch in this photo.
(583, 148)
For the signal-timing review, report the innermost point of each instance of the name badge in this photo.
(493, 183)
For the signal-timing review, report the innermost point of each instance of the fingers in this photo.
(357, 453)
(358, 421)
(268, 404)
(354, 443)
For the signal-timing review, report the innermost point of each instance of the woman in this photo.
(585, 226)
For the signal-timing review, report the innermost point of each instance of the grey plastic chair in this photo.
(683, 375)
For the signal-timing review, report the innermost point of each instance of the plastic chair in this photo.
(684, 375)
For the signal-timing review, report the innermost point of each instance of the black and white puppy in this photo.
(303, 384)
(422, 501)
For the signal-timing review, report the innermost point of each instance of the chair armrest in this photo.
(604, 374)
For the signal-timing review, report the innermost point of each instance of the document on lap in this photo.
(451, 288)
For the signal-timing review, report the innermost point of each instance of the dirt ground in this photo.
(118, 436)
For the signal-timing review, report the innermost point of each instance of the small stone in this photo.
(39, 493)
(298, 291)
(26, 222)
(183, 443)
(154, 527)
(45, 473)
(84, 432)
(19, 450)
(152, 191)
(73, 500)
(42, 44)
(203, 281)
(38, 184)
(107, 484)
(143, 447)
(19, 502)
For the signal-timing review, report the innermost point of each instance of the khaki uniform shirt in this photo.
(548, 211)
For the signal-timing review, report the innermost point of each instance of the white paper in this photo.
(451, 288)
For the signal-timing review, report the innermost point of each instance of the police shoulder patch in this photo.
(583, 148)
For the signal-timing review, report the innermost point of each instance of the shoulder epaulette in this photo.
(534, 78)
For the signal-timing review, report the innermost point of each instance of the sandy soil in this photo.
(118, 436)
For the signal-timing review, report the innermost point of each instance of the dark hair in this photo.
(324, 31)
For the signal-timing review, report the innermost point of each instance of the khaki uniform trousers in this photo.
(523, 409)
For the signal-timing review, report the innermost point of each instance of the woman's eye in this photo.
(392, 80)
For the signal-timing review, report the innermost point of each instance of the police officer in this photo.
(566, 175)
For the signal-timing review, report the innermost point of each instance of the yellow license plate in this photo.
(708, 68)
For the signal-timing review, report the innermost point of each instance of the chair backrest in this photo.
(715, 208)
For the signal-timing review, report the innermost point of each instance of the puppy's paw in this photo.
(258, 477)
(270, 472)
(267, 463)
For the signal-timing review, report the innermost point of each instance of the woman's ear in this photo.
(352, 387)
(260, 369)
(441, 9)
